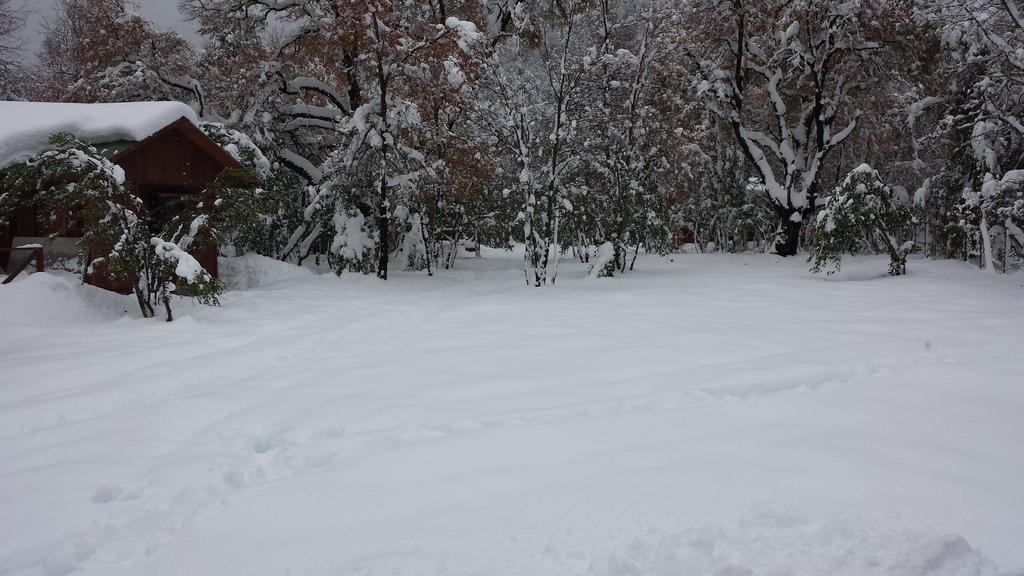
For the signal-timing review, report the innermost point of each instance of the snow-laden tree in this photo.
(989, 33)
(625, 144)
(530, 103)
(784, 81)
(255, 207)
(281, 73)
(994, 212)
(350, 72)
(1005, 200)
(862, 215)
(102, 51)
(979, 133)
(461, 201)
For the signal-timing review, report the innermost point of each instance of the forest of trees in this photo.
(393, 128)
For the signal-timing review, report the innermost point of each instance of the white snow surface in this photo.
(703, 415)
(26, 127)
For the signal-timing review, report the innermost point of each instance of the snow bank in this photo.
(25, 127)
(771, 544)
(44, 299)
(253, 270)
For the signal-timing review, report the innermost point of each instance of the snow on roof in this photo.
(25, 127)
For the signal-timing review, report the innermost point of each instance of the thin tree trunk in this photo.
(427, 249)
(383, 208)
(986, 244)
(384, 228)
(144, 306)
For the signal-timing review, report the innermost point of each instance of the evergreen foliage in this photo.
(862, 215)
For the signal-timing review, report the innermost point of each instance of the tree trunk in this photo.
(986, 245)
(384, 228)
(787, 240)
(144, 306)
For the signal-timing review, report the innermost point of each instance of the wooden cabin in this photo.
(165, 157)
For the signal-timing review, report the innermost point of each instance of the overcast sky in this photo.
(163, 13)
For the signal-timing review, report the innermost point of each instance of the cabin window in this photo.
(166, 204)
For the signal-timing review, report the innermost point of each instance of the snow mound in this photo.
(26, 127)
(252, 271)
(44, 299)
(775, 544)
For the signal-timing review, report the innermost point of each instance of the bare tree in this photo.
(12, 20)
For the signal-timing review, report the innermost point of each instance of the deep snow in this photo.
(721, 415)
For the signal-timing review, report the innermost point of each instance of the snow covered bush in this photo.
(255, 209)
(171, 266)
(604, 264)
(861, 215)
(74, 181)
(727, 212)
(1000, 205)
(414, 246)
(354, 242)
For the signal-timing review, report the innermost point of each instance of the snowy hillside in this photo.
(724, 415)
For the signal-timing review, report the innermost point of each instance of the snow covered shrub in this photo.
(255, 209)
(170, 266)
(861, 215)
(354, 243)
(724, 208)
(604, 264)
(73, 180)
(414, 246)
(1001, 205)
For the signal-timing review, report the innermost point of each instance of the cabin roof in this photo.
(25, 127)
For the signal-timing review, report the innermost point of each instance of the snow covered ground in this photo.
(724, 415)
